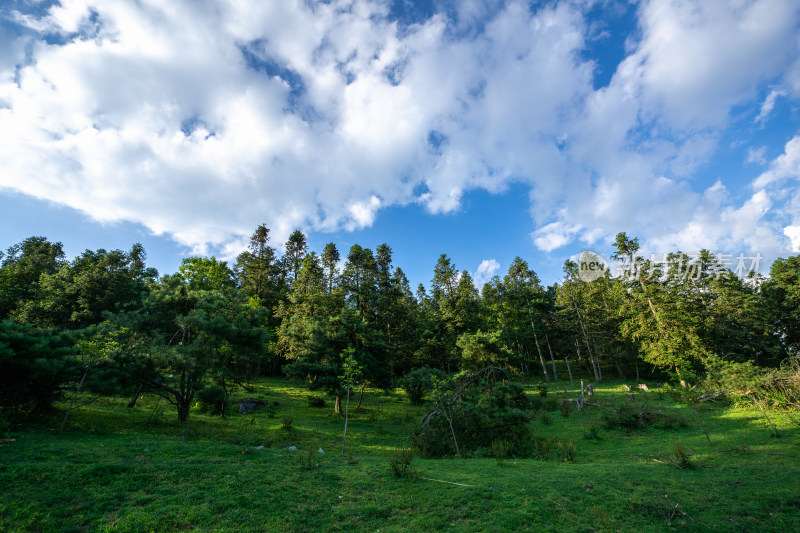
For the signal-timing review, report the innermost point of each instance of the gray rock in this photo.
(251, 404)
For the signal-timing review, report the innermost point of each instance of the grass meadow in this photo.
(137, 469)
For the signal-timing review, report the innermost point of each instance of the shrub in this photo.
(542, 390)
(419, 382)
(500, 450)
(541, 448)
(565, 408)
(316, 401)
(682, 456)
(592, 434)
(551, 404)
(566, 451)
(287, 423)
(401, 463)
(308, 460)
(480, 415)
(631, 418)
(34, 364)
(212, 399)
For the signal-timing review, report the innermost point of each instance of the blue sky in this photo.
(479, 129)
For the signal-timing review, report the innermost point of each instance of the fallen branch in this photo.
(448, 482)
(669, 508)
(774, 429)
(3, 441)
(587, 403)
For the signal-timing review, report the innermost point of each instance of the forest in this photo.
(103, 349)
(108, 322)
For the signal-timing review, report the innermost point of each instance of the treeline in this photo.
(106, 322)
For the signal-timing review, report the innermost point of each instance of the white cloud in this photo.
(768, 105)
(152, 112)
(756, 155)
(689, 64)
(793, 232)
(554, 235)
(484, 273)
(787, 165)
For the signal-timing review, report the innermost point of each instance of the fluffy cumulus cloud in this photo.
(485, 271)
(203, 119)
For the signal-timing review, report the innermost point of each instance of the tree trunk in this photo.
(346, 407)
(183, 409)
(505, 325)
(361, 397)
(619, 368)
(337, 406)
(74, 396)
(596, 359)
(552, 359)
(585, 337)
(135, 398)
(569, 371)
(582, 358)
(541, 358)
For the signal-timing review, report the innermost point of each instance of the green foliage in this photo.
(308, 459)
(593, 433)
(401, 463)
(22, 267)
(286, 423)
(473, 413)
(352, 370)
(206, 274)
(682, 456)
(34, 364)
(631, 418)
(212, 399)
(317, 342)
(419, 382)
(566, 451)
(500, 449)
(782, 295)
(316, 401)
(479, 350)
(83, 291)
(182, 338)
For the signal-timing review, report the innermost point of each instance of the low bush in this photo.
(419, 382)
(401, 463)
(480, 415)
(212, 399)
(682, 456)
(631, 418)
(500, 450)
(566, 451)
(316, 401)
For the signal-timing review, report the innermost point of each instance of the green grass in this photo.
(120, 469)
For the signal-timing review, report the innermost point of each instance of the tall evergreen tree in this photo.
(295, 250)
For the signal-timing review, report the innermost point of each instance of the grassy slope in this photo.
(137, 470)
